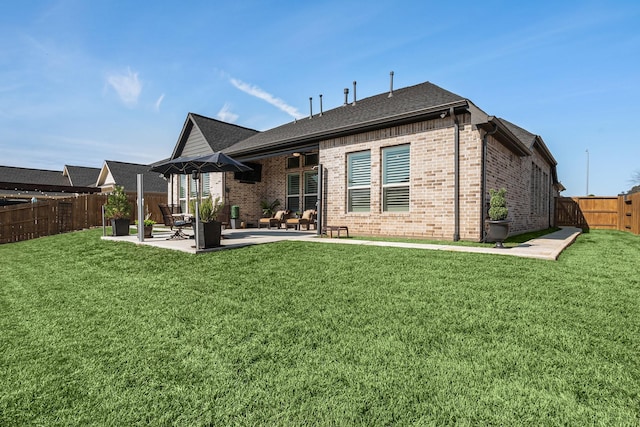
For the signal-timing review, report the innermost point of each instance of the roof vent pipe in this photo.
(354, 93)
(321, 104)
(310, 107)
(346, 96)
(390, 84)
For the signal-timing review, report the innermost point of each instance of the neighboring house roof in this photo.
(81, 175)
(126, 175)
(367, 113)
(25, 182)
(33, 176)
(206, 135)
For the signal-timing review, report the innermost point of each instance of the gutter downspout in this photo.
(483, 186)
(319, 202)
(456, 173)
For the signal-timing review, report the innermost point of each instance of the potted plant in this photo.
(118, 210)
(268, 209)
(209, 229)
(497, 224)
(147, 223)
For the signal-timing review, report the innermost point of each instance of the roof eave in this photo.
(505, 136)
(395, 120)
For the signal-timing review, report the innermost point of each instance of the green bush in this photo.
(118, 206)
(498, 205)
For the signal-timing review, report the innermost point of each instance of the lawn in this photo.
(297, 333)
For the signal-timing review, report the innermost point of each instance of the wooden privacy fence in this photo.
(613, 213)
(54, 216)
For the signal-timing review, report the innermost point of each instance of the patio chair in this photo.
(275, 221)
(307, 219)
(174, 220)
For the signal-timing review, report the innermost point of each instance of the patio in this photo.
(231, 238)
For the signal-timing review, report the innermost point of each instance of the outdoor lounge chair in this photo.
(278, 218)
(174, 220)
(307, 219)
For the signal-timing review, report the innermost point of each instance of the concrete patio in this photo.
(231, 238)
(547, 247)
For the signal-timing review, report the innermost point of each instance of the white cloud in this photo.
(226, 115)
(265, 96)
(158, 102)
(127, 86)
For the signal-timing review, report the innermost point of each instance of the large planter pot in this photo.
(148, 229)
(209, 234)
(120, 226)
(497, 231)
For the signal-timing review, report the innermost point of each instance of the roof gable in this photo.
(81, 175)
(203, 135)
(126, 175)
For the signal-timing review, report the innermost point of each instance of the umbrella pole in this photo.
(197, 226)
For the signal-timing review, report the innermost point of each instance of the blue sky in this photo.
(86, 81)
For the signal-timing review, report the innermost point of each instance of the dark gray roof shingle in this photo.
(125, 175)
(32, 176)
(526, 137)
(82, 176)
(367, 111)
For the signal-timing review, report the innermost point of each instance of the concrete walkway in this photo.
(547, 247)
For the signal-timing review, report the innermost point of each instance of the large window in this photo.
(310, 190)
(182, 193)
(359, 182)
(187, 189)
(293, 192)
(395, 179)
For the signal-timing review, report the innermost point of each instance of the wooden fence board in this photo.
(611, 213)
(53, 216)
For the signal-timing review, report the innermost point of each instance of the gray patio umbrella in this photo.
(215, 162)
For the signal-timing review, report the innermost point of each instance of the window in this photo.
(187, 189)
(359, 182)
(205, 181)
(395, 179)
(182, 193)
(310, 190)
(311, 159)
(293, 162)
(293, 192)
(539, 188)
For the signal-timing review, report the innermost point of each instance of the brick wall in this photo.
(432, 181)
(431, 213)
(508, 170)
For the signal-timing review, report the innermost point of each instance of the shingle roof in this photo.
(32, 176)
(220, 135)
(366, 112)
(82, 176)
(125, 175)
(526, 137)
(530, 140)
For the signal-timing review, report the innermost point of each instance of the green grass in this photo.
(299, 333)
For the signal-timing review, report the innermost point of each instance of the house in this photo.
(417, 161)
(21, 185)
(81, 175)
(125, 174)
